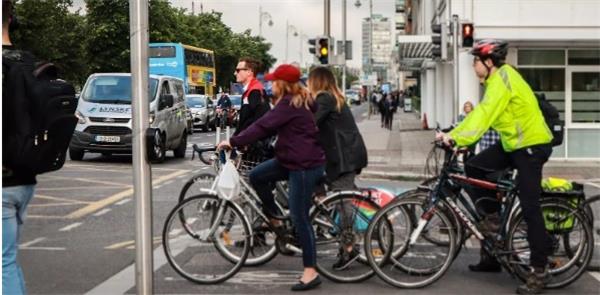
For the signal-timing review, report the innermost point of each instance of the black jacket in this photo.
(344, 147)
(256, 107)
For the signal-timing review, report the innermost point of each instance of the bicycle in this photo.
(227, 227)
(401, 265)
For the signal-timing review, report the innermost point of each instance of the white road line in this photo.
(71, 226)
(595, 274)
(168, 182)
(44, 248)
(102, 212)
(157, 186)
(593, 184)
(123, 201)
(24, 245)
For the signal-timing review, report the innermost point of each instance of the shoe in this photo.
(486, 263)
(535, 281)
(346, 258)
(300, 286)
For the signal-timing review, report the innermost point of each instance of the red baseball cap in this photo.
(285, 72)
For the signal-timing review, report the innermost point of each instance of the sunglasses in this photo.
(240, 69)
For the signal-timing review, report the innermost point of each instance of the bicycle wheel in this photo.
(566, 226)
(194, 254)
(339, 222)
(404, 264)
(193, 186)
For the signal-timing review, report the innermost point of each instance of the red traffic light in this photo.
(467, 35)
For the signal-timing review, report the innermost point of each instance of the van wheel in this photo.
(157, 154)
(75, 154)
(179, 152)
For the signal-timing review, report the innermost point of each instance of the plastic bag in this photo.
(228, 185)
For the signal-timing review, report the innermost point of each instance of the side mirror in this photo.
(166, 101)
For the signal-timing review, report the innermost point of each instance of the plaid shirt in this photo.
(490, 138)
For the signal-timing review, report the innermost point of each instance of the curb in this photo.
(392, 175)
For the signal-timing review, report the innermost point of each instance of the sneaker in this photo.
(346, 258)
(487, 263)
(534, 283)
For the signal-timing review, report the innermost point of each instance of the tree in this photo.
(54, 34)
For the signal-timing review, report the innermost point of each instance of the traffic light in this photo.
(323, 50)
(467, 35)
(438, 39)
(312, 46)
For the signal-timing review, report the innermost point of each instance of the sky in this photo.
(307, 16)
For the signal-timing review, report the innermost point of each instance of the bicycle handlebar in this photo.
(201, 152)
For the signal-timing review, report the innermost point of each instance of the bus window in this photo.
(162, 51)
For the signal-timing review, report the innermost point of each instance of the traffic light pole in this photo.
(370, 56)
(344, 47)
(455, 102)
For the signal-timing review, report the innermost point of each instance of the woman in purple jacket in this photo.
(299, 159)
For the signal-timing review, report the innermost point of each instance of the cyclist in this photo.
(509, 107)
(223, 107)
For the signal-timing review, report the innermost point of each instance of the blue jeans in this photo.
(14, 204)
(301, 185)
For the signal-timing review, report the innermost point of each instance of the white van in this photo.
(104, 113)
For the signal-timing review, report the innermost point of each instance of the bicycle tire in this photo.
(330, 236)
(561, 273)
(390, 262)
(179, 248)
(204, 178)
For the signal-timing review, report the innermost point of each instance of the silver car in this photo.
(203, 111)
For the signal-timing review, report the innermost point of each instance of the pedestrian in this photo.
(299, 159)
(467, 108)
(390, 108)
(382, 107)
(254, 102)
(343, 144)
(223, 108)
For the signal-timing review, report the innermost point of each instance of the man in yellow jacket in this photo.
(510, 107)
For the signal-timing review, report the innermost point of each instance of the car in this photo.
(104, 114)
(352, 97)
(203, 111)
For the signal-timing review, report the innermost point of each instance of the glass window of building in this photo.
(585, 97)
(584, 57)
(541, 57)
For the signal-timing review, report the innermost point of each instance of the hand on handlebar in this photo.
(224, 145)
(445, 138)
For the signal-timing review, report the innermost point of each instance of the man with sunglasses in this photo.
(254, 104)
(510, 107)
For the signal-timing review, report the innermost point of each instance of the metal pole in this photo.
(287, 32)
(370, 54)
(327, 27)
(344, 47)
(455, 102)
(260, 16)
(142, 177)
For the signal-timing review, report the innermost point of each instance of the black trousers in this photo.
(529, 163)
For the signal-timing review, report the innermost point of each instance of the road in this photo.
(80, 230)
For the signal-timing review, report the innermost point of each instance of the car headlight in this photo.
(151, 118)
(80, 117)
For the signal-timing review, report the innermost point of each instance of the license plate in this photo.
(102, 138)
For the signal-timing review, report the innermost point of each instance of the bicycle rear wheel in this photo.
(572, 238)
(340, 221)
(409, 265)
(191, 249)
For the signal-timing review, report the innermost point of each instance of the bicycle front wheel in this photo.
(397, 260)
(191, 246)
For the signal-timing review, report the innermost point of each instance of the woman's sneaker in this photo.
(346, 258)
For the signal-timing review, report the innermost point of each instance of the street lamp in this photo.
(266, 16)
(369, 63)
(289, 27)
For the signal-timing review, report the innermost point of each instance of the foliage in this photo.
(98, 40)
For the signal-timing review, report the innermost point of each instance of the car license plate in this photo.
(102, 138)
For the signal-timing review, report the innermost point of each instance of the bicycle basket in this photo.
(559, 219)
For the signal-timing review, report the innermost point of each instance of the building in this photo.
(381, 45)
(554, 44)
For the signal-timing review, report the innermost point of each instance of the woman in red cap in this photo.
(299, 159)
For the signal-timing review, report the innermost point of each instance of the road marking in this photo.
(111, 183)
(155, 241)
(595, 275)
(123, 201)
(61, 199)
(157, 186)
(44, 248)
(24, 245)
(76, 188)
(593, 184)
(116, 197)
(102, 212)
(52, 205)
(129, 244)
(168, 182)
(71, 226)
(30, 216)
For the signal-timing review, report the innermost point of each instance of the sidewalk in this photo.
(401, 153)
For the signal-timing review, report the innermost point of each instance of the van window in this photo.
(179, 91)
(113, 89)
(164, 89)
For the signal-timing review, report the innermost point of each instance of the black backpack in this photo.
(43, 114)
(552, 118)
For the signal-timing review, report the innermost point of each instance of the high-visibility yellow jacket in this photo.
(509, 107)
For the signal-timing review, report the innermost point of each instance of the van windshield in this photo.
(114, 89)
